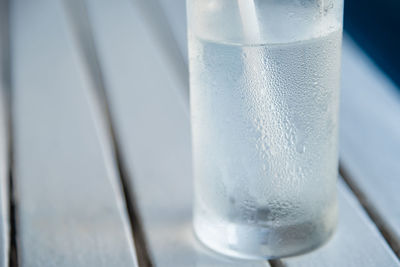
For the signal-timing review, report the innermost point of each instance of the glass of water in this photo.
(264, 79)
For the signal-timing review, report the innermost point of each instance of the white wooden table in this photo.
(95, 160)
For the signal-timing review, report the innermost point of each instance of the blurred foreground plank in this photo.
(69, 203)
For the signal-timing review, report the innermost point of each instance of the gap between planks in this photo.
(13, 253)
(81, 28)
(276, 263)
(6, 106)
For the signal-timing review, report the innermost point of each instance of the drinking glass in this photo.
(264, 89)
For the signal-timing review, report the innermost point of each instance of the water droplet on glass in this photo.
(301, 148)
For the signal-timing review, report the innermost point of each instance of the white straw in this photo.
(248, 15)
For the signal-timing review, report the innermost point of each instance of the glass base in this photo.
(260, 242)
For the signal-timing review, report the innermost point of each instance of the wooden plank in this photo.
(156, 145)
(155, 132)
(70, 208)
(370, 137)
(4, 138)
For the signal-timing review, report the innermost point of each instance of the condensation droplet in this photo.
(301, 148)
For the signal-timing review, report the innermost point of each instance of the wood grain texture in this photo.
(152, 124)
(4, 138)
(370, 136)
(69, 203)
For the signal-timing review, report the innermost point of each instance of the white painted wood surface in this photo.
(69, 203)
(370, 136)
(154, 130)
(4, 137)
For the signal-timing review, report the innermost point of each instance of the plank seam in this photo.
(13, 251)
(276, 263)
(10, 207)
